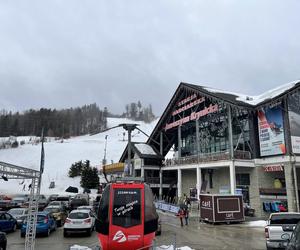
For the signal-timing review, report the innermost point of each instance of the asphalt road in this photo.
(196, 235)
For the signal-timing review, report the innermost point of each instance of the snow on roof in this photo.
(145, 149)
(254, 100)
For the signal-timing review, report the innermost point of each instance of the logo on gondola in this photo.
(119, 237)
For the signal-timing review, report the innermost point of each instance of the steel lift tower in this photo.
(15, 172)
(10, 171)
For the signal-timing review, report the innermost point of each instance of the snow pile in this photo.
(163, 247)
(77, 247)
(60, 156)
(257, 223)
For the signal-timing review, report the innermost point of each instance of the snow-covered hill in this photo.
(60, 156)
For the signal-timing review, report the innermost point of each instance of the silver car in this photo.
(19, 214)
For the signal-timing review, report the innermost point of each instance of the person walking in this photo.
(180, 214)
(186, 215)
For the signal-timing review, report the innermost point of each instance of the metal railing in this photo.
(242, 155)
(152, 180)
(156, 180)
(208, 157)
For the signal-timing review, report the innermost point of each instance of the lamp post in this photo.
(104, 158)
(129, 128)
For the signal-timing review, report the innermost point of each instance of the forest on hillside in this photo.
(88, 119)
(58, 123)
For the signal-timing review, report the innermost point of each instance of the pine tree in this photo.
(89, 178)
(76, 169)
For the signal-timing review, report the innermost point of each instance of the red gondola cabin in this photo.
(127, 217)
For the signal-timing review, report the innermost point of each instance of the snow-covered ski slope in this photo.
(60, 156)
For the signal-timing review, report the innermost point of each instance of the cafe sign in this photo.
(273, 168)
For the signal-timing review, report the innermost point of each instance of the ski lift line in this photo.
(148, 136)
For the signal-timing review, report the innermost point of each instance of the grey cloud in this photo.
(69, 53)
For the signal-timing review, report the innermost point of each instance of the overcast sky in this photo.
(60, 54)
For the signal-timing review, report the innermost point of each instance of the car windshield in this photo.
(78, 215)
(84, 208)
(40, 218)
(54, 203)
(62, 199)
(52, 209)
(284, 219)
(16, 211)
(18, 199)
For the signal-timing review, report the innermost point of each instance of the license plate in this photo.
(77, 222)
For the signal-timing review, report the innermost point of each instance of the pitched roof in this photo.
(231, 98)
(143, 150)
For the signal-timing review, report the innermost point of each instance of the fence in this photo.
(208, 157)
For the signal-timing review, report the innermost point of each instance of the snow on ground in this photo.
(257, 223)
(60, 156)
(163, 247)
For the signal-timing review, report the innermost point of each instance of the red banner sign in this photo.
(273, 168)
(193, 116)
(188, 106)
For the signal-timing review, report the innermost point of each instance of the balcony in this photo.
(166, 180)
(208, 157)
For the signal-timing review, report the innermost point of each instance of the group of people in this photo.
(184, 211)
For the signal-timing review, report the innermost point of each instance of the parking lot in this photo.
(196, 235)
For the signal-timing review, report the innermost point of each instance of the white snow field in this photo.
(60, 156)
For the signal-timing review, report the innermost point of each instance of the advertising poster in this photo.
(270, 128)
(294, 118)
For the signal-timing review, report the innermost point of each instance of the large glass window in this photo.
(243, 179)
(127, 207)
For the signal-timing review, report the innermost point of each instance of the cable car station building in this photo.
(228, 143)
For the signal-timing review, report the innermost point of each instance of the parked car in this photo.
(19, 201)
(18, 214)
(79, 221)
(65, 199)
(90, 208)
(45, 224)
(21, 220)
(22, 196)
(7, 204)
(59, 213)
(58, 203)
(82, 196)
(75, 203)
(42, 203)
(3, 241)
(278, 227)
(52, 197)
(7, 222)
